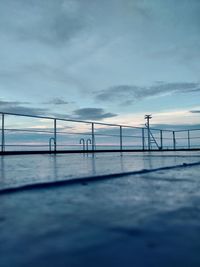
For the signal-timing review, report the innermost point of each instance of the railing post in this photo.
(2, 133)
(161, 139)
(121, 144)
(55, 135)
(93, 137)
(188, 139)
(148, 134)
(174, 140)
(149, 139)
(143, 141)
(148, 117)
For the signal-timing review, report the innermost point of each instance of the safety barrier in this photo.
(22, 132)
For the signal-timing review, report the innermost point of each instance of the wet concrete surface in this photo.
(29, 169)
(150, 219)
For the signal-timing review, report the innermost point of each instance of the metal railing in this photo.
(41, 133)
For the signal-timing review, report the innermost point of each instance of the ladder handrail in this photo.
(89, 141)
(154, 140)
(82, 141)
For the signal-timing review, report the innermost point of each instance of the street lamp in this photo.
(148, 117)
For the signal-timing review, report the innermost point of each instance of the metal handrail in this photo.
(69, 120)
(89, 141)
(79, 121)
(95, 132)
(82, 141)
(154, 140)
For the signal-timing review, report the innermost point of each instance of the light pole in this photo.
(148, 117)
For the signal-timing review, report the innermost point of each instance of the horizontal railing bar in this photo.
(34, 146)
(78, 121)
(104, 145)
(180, 138)
(77, 145)
(66, 145)
(40, 131)
(186, 130)
(164, 130)
(43, 117)
(91, 151)
(26, 130)
(69, 120)
(83, 133)
(73, 133)
(187, 138)
(117, 135)
(90, 122)
(89, 134)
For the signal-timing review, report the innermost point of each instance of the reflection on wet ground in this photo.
(29, 169)
(145, 220)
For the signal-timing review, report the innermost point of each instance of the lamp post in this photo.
(148, 117)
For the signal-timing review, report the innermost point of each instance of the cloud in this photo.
(79, 114)
(19, 108)
(48, 21)
(92, 114)
(194, 111)
(71, 47)
(130, 93)
(57, 101)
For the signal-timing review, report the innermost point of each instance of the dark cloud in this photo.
(130, 93)
(92, 114)
(57, 101)
(19, 108)
(13, 103)
(60, 115)
(79, 114)
(48, 21)
(194, 111)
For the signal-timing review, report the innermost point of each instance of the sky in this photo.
(109, 60)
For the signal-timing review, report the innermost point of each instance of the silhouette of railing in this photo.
(49, 134)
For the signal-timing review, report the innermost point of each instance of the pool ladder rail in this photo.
(85, 144)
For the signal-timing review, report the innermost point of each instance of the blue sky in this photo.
(108, 60)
